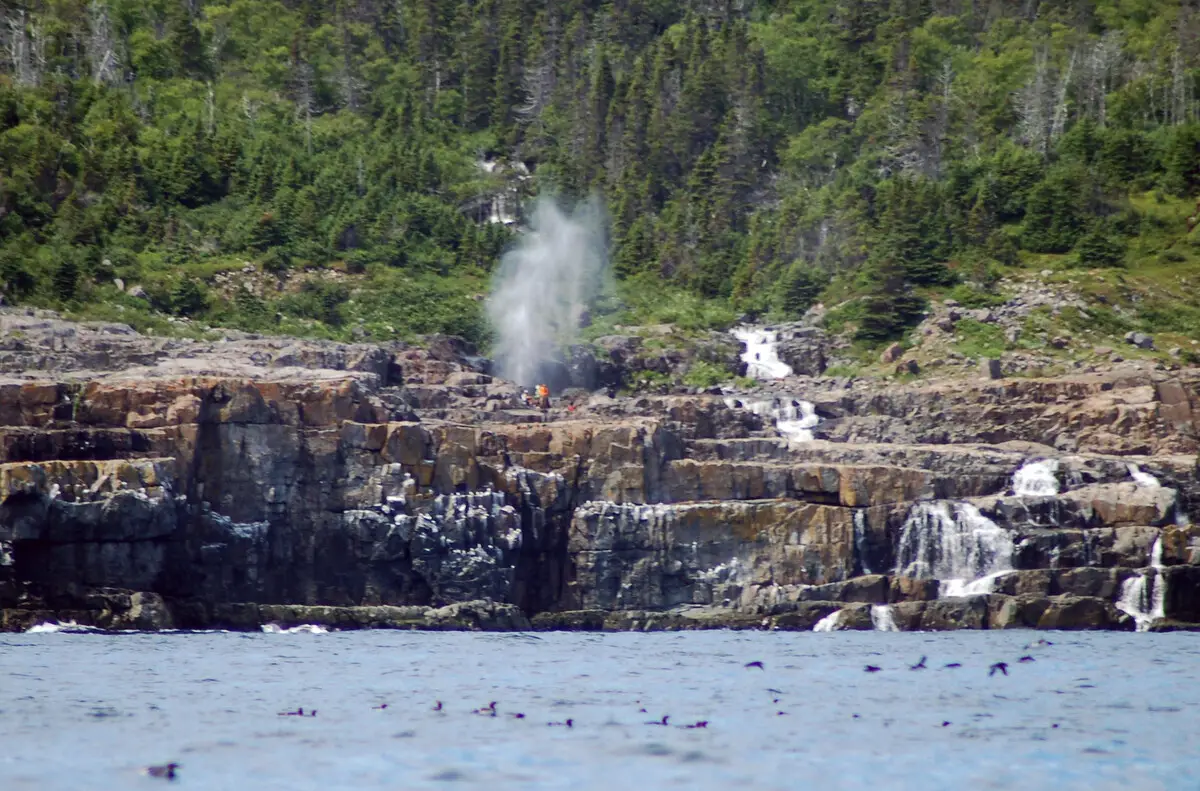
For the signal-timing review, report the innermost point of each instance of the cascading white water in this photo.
(762, 355)
(1142, 478)
(1036, 479)
(860, 539)
(1144, 596)
(953, 543)
(794, 419)
(881, 618)
(830, 623)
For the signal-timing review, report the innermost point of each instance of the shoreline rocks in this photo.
(147, 483)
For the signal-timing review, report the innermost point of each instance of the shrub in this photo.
(1099, 248)
(189, 297)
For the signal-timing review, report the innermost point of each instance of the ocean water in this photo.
(1094, 711)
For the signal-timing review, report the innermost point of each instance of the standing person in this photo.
(543, 394)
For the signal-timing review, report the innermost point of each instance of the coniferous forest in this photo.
(354, 168)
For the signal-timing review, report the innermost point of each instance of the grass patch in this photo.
(977, 339)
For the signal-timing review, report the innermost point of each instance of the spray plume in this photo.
(543, 286)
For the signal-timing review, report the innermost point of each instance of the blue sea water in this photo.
(87, 711)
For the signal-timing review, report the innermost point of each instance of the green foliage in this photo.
(798, 290)
(890, 306)
(189, 298)
(1098, 247)
(749, 154)
(977, 339)
(705, 374)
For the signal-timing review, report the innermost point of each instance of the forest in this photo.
(354, 168)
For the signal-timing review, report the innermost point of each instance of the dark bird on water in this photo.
(567, 724)
(518, 716)
(919, 666)
(872, 669)
(945, 723)
(663, 721)
(298, 713)
(1001, 666)
(1026, 659)
(438, 707)
(380, 706)
(166, 771)
(694, 725)
(489, 710)
(953, 664)
(759, 665)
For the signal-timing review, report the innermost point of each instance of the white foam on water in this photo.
(65, 627)
(304, 628)
(881, 618)
(762, 353)
(953, 543)
(830, 623)
(1036, 479)
(1142, 478)
(1144, 596)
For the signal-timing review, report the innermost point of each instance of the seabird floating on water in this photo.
(166, 771)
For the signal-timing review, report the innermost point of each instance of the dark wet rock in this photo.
(146, 482)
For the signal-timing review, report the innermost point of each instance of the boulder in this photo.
(1083, 612)
(891, 354)
(1139, 339)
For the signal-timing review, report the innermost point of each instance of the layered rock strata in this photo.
(147, 483)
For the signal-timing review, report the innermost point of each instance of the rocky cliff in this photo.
(147, 483)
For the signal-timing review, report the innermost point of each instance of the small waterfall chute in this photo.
(830, 623)
(1036, 479)
(794, 418)
(1144, 595)
(762, 353)
(1142, 478)
(882, 618)
(956, 544)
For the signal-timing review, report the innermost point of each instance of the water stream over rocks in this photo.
(762, 353)
(1036, 479)
(954, 543)
(1143, 595)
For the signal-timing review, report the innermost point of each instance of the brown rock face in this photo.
(151, 483)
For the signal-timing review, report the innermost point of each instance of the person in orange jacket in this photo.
(543, 396)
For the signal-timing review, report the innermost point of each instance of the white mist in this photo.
(542, 287)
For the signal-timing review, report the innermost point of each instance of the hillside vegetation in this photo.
(349, 167)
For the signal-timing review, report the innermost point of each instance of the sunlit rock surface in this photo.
(147, 483)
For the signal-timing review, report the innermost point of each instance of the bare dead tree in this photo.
(941, 121)
(302, 87)
(101, 52)
(210, 111)
(1059, 117)
(24, 47)
(1033, 106)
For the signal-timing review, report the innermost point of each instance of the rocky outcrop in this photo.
(147, 483)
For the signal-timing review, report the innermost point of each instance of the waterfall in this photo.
(860, 539)
(881, 618)
(830, 623)
(762, 353)
(953, 543)
(1142, 478)
(794, 419)
(1036, 479)
(1144, 595)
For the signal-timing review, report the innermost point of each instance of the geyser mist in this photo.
(543, 286)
